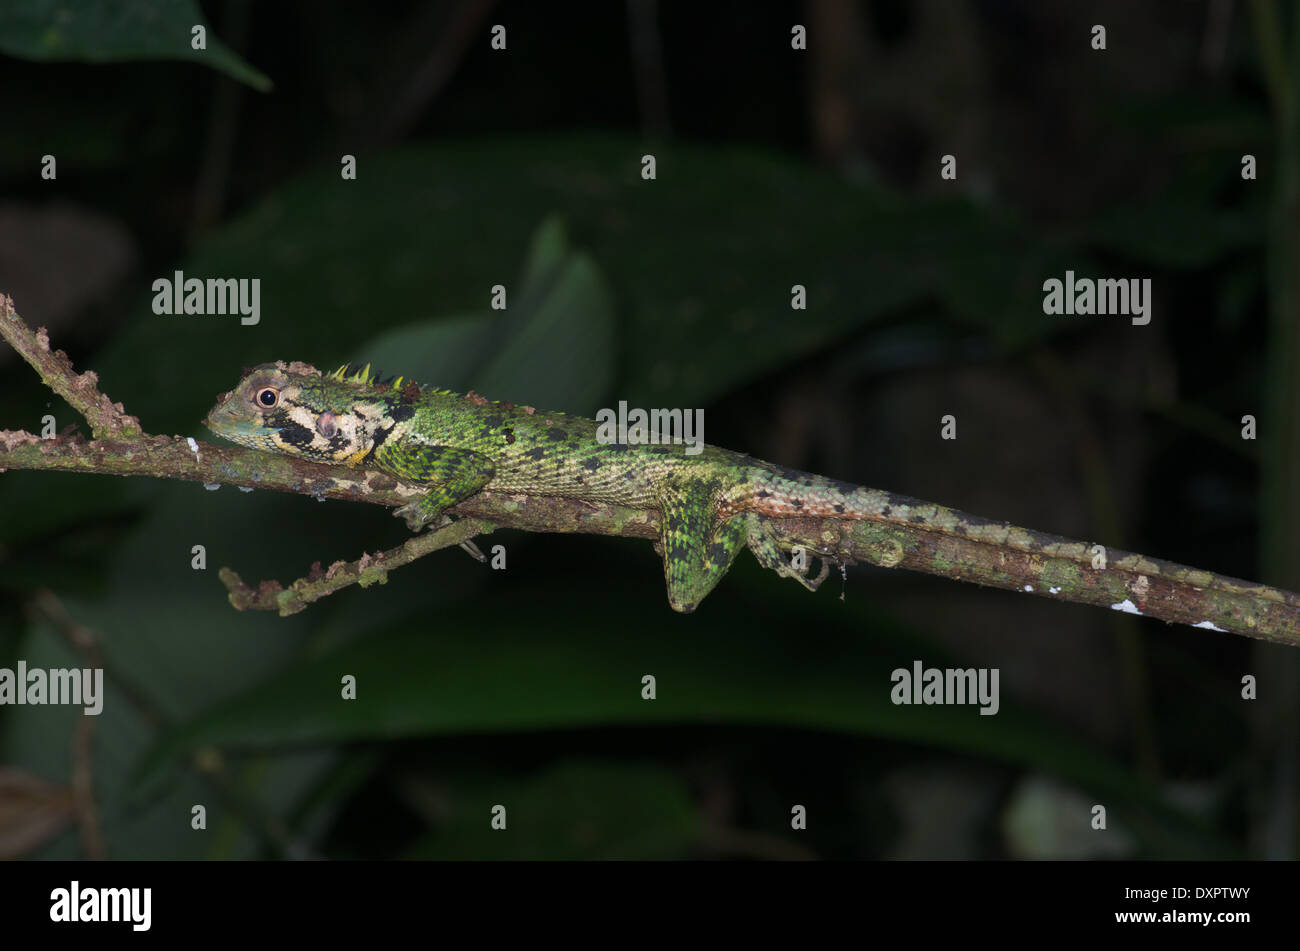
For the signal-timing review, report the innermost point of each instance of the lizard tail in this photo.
(778, 492)
(788, 493)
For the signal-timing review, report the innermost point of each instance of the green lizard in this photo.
(710, 505)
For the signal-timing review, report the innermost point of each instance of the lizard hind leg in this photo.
(766, 547)
(697, 548)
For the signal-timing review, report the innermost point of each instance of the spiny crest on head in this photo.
(351, 373)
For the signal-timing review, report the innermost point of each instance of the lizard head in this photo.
(295, 410)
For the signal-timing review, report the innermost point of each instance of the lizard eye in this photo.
(326, 424)
(267, 397)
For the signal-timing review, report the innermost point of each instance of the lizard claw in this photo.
(417, 516)
(411, 513)
(767, 548)
(812, 584)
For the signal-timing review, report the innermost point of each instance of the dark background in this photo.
(775, 167)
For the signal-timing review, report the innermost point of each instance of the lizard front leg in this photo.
(452, 474)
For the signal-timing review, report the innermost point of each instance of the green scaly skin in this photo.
(710, 505)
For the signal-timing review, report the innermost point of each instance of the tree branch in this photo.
(105, 417)
(367, 570)
(1026, 561)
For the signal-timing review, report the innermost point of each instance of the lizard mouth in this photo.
(235, 430)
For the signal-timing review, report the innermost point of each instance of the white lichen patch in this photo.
(1053, 590)
(194, 447)
(1029, 587)
(245, 488)
(212, 486)
(1127, 606)
(1210, 626)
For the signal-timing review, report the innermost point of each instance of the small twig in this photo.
(32, 812)
(1214, 42)
(211, 185)
(648, 67)
(107, 419)
(1268, 38)
(82, 640)
(449, 39)
(207, 764)
(365, 571)
(83, 788)
(469, 548)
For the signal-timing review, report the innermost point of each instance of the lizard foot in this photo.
(767, 549)
(415, 519)
(788, 570)
(419, 514)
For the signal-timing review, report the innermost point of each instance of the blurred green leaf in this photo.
(554, 345)
(108, 31)
(474, 668)
(573, 811)
(1172, 233)
(700, 264)
(169, 636)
